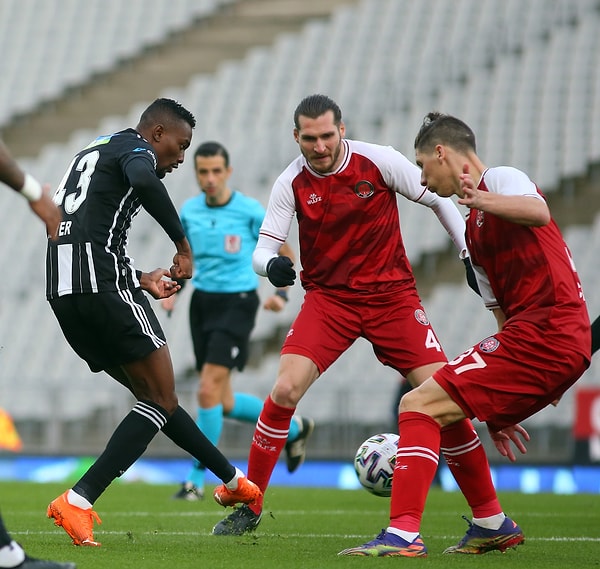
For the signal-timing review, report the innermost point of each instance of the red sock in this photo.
(469, 465)
(268, 441)
(416, 463)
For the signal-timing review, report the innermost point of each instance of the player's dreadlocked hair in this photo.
(166, 109)
(438, 128)
(314, 106)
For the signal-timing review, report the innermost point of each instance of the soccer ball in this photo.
(374, 463)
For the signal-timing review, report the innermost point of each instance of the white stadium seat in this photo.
(526, 76)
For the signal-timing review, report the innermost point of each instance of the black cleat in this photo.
(295, 450)
(189, 492)
(242, 520)
(32, 563)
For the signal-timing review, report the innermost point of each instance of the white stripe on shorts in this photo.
(140, 316)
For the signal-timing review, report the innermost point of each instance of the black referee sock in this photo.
(184, 432)
(127, 444)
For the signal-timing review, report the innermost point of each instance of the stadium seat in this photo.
(526, 76)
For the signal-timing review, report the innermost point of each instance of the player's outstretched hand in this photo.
(47, 211)
(503, 437)
(280, 271)
(157, 286)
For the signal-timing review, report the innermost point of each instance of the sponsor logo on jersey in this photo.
(99, 140)
(490, 344)
(364, 189)
(313, 199)
(152, 155)
(421, 317)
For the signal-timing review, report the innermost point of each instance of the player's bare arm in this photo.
(524, 210)
(10, 172)
(39, 197)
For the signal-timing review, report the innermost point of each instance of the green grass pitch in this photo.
(143, 528)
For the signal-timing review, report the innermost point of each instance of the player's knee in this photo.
(168, 402)
(409, 402)
(416, 401)
(284, 393)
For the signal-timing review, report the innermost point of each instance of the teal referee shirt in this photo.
(223, 239)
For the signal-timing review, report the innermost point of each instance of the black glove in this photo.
(471, 278)
(280, 272)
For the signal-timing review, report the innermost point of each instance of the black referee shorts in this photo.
(109, 329)
(221, 324)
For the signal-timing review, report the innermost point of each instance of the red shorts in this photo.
(395, 324)
(515, 373)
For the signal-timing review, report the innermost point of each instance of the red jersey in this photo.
(544, 345)
(530, 270)
(348, 219)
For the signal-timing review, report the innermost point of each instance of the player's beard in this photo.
(331, 164)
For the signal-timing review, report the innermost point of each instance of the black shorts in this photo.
(109, 329)
(221, 324)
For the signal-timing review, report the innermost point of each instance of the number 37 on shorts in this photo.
(467, 361)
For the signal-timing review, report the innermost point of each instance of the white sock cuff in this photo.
(408, 536)
(233, 483)
(11, 555)
(491, 522)
(77, 500)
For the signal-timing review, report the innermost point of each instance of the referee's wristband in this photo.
(282, 294)
(32, 189)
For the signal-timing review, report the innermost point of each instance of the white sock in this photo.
(409, 536)
(491, 522)
(76, 500)
(11, 555)
(233, 483)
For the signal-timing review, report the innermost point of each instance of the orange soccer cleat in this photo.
(246, 492)
(77, 522)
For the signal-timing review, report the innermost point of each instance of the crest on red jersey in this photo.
(364, 189)
(479, 218)
(490, 344)
(421, 317)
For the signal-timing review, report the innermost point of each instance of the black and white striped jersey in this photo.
(98, 205)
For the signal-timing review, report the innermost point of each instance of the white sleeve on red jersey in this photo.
(510, 181)
(275, 227)
(485, 289)
(450, 217)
